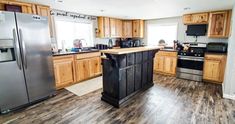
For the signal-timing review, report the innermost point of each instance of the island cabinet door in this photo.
(150, 72)
(138, 73)
(138, 70)
(145, 69)
(130, 80)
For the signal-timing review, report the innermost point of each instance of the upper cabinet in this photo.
(43, 10)
(127, 29)
(25, 7)
(198, 18)
(103, 27)
(219, 25)
(29, 8)
(117, 28)
(218, 22)
(138, 28)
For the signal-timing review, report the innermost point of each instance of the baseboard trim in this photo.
(227, 96)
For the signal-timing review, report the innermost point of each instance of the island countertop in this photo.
(130, 50)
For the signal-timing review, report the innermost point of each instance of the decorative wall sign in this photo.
(72, 15)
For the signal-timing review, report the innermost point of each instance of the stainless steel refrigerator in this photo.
(26, 74)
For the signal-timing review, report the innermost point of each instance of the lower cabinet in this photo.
(95, 66)
(87, 68)
(165, 62)
(214, 67)
(63, 70)
(71, 69)
(83, 71)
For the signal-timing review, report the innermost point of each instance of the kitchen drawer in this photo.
(61, 58)
(215, 56)
(88, 55)
(166, 53)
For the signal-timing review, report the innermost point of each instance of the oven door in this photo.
(188, 62)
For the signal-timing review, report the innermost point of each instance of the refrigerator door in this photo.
(36, 55)
(13, 91)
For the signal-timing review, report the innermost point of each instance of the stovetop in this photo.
(194, 54)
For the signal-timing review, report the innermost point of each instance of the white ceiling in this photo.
(137, 9)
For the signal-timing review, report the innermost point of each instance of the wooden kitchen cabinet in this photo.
(127, 29)
(219, 25)
(88, 65)
(188, 19)
(201, 18)
(118, 28)
(43, 10)
(115, 27)
(83, 69)
(159, 63)
(25, 7)
(197, 18)
(30, 8)
(64, 70)
(71, 69)
(103, 27)
(138, 28)
(165, 62)
(214, 67)
(95, 66)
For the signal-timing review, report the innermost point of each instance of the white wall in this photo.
(229, 80)
(181, 35)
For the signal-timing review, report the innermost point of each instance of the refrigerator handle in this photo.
(23, 49)
(17, 49)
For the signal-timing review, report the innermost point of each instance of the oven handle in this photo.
(192, 59)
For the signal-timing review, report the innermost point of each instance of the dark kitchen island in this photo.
(126, 71)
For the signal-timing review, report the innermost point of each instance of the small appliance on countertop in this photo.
(129, 42)
(217, 47)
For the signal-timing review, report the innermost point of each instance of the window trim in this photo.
(56, 18)
(164, 24)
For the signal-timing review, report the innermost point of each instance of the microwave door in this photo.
(13, 91)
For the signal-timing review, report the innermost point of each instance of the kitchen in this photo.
(99, 66)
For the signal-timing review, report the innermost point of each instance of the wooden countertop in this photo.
(129, 50)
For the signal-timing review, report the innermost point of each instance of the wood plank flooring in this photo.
(169, 101)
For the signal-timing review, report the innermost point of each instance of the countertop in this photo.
(129, 50)
(71, 53)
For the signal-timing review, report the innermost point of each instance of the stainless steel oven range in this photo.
(190, 62)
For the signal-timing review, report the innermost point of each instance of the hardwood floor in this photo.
(169, 101)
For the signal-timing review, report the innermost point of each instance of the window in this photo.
(157, 32)
(68, 31)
